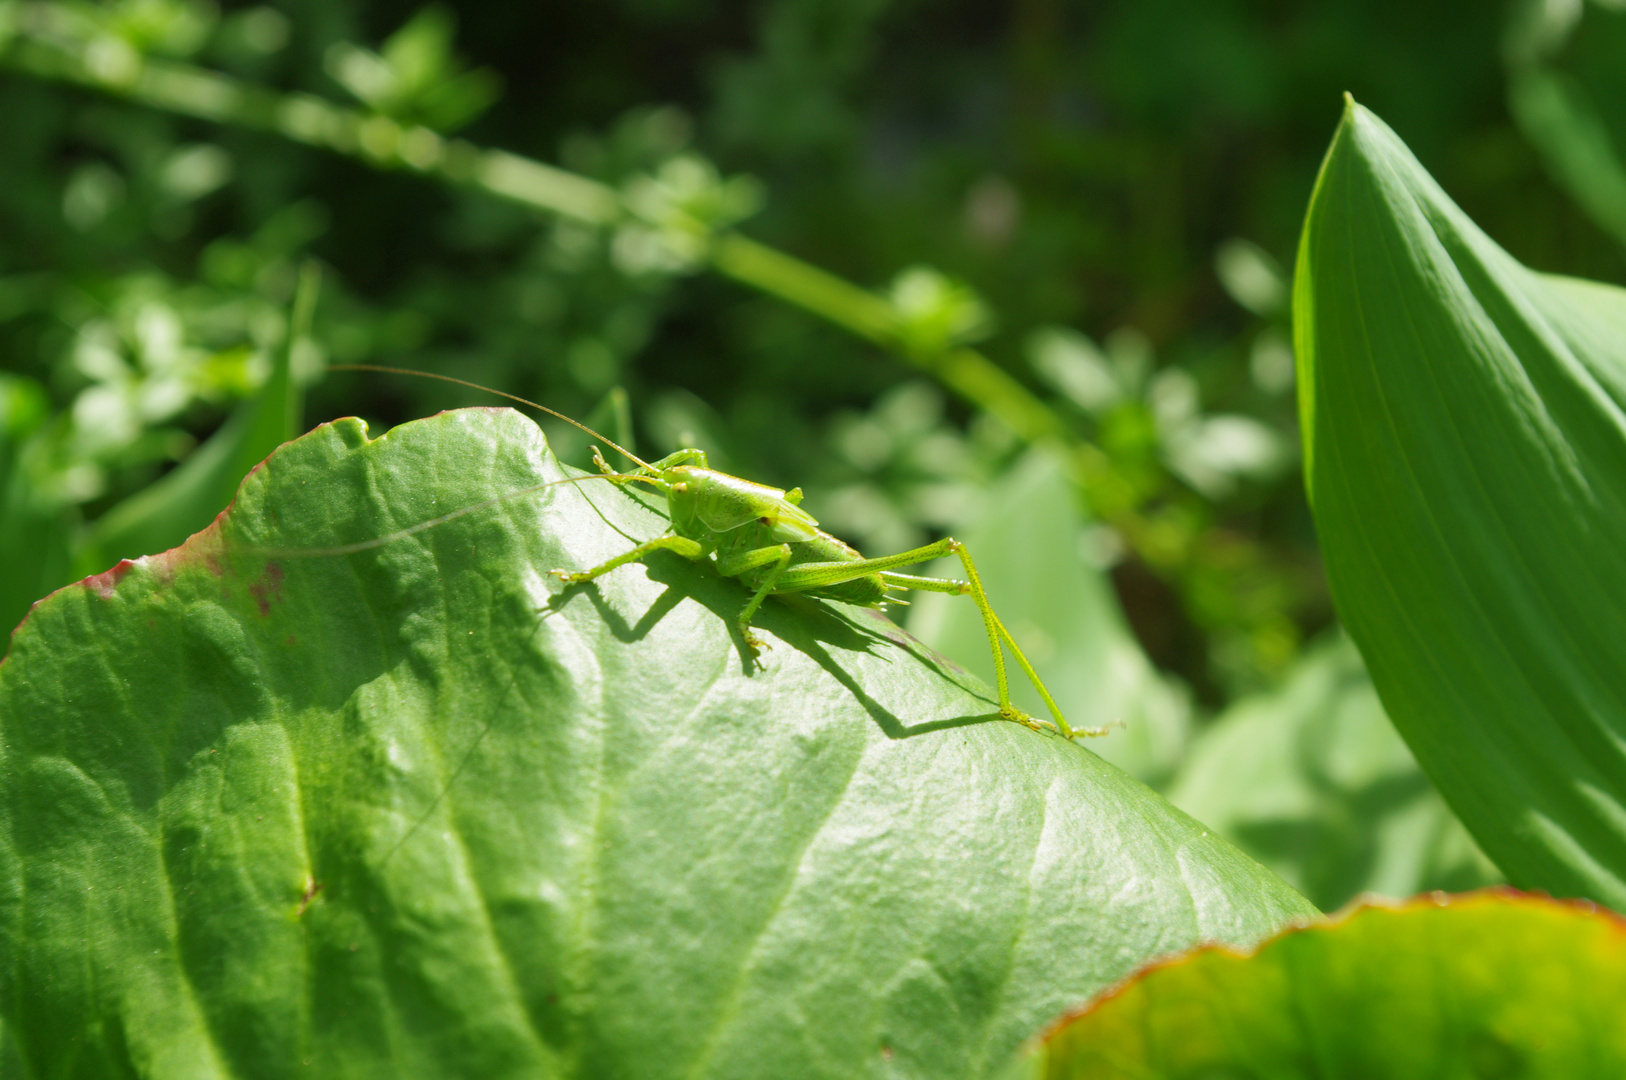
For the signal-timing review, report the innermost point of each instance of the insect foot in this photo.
(754, 643)
(1047, 727)
(1020, 717)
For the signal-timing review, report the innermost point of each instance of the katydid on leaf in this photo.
(761, 537)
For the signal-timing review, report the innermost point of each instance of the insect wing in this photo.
(793, 527)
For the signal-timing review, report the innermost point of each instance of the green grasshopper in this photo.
(762, 537)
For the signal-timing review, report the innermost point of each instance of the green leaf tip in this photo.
(422, 811)
(1465, 449)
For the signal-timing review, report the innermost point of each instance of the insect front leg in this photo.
(682, 545)
(734, 564)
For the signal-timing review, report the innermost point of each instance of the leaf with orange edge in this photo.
(1486, 984)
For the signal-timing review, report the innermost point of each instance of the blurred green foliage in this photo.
(1103, 199)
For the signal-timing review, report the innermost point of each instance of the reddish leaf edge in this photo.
(1493, 895)
(205, 545)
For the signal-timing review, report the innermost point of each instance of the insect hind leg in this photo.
(997, 636)
(926, 584)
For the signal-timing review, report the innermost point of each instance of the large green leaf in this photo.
(1479, 987)
(1312, 780)
(1466, 456)
(1029, 546)
(419, 810)
(11, 1066)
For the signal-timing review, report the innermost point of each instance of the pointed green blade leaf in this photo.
(421, 810)
(1462, 988)
(1466, 458)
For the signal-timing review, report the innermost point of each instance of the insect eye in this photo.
(765, 520)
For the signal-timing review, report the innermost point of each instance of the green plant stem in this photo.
(806, 286)
(45, 50)
(965, 371)
(304, 118)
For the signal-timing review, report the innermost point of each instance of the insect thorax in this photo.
(704, 503)
(734, 516)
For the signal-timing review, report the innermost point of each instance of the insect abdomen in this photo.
(866, 591)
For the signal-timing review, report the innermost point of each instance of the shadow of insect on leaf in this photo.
(664, 604)
(882, 629)
(804, 624)
(683, 581)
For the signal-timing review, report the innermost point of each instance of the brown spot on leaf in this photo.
(268, 589)
(312, 888)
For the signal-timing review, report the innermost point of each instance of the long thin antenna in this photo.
(411, 530)
(500, 393)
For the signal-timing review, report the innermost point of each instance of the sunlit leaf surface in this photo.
(420, 810)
